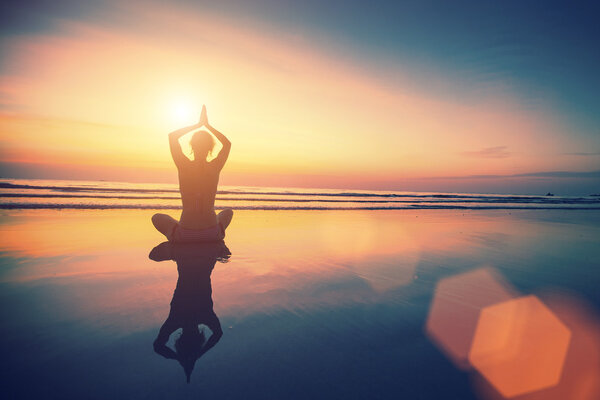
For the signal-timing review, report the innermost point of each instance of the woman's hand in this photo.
(203, 117)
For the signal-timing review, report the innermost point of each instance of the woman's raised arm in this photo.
(221, 158)
(178, 156)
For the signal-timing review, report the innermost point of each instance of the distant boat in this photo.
(549, 194)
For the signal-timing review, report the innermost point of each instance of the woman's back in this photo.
(198, 183)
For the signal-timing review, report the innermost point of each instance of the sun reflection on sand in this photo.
(283, 260)
(56, 233)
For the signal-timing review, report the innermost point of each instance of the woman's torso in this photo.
(198, 183)
(192, 299)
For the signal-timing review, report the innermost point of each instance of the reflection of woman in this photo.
(198, 180)
(192, 303)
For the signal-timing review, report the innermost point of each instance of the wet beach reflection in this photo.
(485, 305)
(192, 303)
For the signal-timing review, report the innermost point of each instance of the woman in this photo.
(198, 180)
(192, 303)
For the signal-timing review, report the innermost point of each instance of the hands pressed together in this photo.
(203, 118)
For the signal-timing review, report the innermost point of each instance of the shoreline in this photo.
(275, 208)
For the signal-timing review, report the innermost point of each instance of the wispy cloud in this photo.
(543, 174)
(560, 174)
(488, 152)
(583, 154)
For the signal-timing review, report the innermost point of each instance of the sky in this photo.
(462, 96)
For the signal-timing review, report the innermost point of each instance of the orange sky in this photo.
(97, 99)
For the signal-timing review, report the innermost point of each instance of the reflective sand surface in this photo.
(312, 304)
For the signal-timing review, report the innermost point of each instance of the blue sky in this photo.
(547, 51)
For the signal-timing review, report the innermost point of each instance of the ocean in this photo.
(66, 194)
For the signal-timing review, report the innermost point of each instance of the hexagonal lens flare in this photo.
(455, 310)
(519, 346)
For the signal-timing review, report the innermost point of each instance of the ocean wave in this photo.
(7, 185)
(431, 199)
(102, 189)
(45, 206)
(23, 194)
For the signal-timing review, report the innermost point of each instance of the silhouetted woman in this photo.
(192, 303)
(198, 180)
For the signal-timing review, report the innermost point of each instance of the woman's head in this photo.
(188, 347)
(202, 144)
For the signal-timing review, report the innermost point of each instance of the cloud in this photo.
(583, 154)
(488, 152)
(560, 174)
(543, 174)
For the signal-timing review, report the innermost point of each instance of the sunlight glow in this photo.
(182, 112)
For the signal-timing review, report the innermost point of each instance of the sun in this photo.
(182, 112)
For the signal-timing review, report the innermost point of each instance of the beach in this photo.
(312, 303)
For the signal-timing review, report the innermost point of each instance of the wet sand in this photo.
(313, 304)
